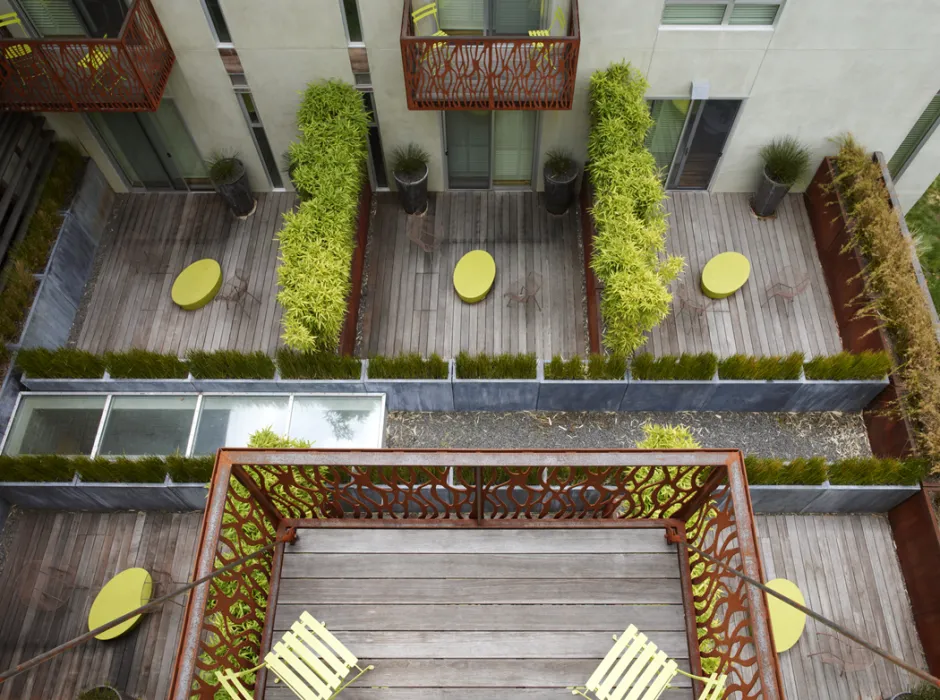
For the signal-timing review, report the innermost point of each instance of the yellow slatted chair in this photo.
(309, 660)
(8, 19)
(429, 11)
(98, 63)
(539, 48)
(636, 669)
(26, 69)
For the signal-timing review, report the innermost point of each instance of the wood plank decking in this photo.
(56, 563)
(848, 571)
(151, 238)
(701, 225)
(410, 304)
(496, 614)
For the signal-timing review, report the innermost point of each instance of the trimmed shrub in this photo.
(190, 470)
(629, 247)
(53, 468)
(143, 364)
(607, 367)
(317, 240)
(565, 369)
(62, 363)
(317, 365)
(230, 364)
(845, 366)
(267, 439)
(150, 470)
(506, 366)
(761, 368)
(58, 468)
(773, 471)
(685, 367)
(667, 437)
(870, 471)
(408, 366)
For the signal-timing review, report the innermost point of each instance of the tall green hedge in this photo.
(318, 239)
(630, 245)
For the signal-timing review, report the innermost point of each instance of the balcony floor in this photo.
(452, 613)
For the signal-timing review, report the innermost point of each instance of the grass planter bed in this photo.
(109, 384)
(80, 495)
(414, 394)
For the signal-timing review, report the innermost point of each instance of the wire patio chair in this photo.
(781, 287)
(521, 291)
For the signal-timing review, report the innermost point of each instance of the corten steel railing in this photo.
(490, 72)
(258, 495)
(127, 73)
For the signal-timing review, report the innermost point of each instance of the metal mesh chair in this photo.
(521, 291)
(843, 655)
(781, 286)
(238, 292)
(421, 232)
(693, 301)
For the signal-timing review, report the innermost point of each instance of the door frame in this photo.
(536, 144)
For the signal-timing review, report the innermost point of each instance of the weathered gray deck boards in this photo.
(409, 301)
(702, 225)
(90, 548)
(151, 238)
(452, 623)
(847, 569)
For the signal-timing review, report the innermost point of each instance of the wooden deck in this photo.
(500, 614)
(56, 564)
(848, 571)
(701, 225)
(410, 304)
(151, 238)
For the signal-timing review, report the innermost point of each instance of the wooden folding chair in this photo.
(635, 668)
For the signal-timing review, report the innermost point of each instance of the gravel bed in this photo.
(784, 435)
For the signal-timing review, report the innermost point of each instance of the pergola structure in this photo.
(257, 497)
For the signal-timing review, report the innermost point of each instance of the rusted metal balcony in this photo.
(123, 74)
(490, 72)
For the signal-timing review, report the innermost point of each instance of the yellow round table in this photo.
(786, 622)
(198, 284)
(725, 274)
(474, 275)
(125, 592)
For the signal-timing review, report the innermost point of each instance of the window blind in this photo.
(753, 14)
(462, 15)
(915, 137)
(513, 147)
(663, 138)
(516, 17)
(53, 17)
(693, 13)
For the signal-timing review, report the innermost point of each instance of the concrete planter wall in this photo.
(107, 384)
(497, 394)
(414, 394)
(828, 498)
(679, 395)
(741, 395)
(78, 495)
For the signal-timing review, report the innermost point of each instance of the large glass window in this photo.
(217, 21)
(148, 425)
(351, 19)
(228, 421)
(58, 425)
(336, 421)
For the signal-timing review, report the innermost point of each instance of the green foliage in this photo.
(869, 471)
(100, 693)
(772, 367)
(58, 468)
(610, 367)
(559, 162)
(845, 365)
(15, 299)
(506, 366)
(143, 364)
(150, 470)
(669, 367)
(408, 366)
(267, 439)
(629, 248)
(925, 691)
(224, 168)
(923, 221)
(230, 364)
(410, 160)
(190, 470)
(61, 363)
(317, 240)
(317, 365)
(667, 437)
(786, 160)
(773, 471)
(52, 468)
(565, 369)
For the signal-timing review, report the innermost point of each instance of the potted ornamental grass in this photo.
(230, 179)
(785, 160)
(410, 168)
(560, 174)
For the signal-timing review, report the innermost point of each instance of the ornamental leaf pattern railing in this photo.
(257, 496)
(490, 72)
(127, 73)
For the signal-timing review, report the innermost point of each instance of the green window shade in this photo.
(668, 120)
(753, 14)
(915, 136)
(693, 13)
(462, 15)
(53, 17)
(512, 150)
(516, 17)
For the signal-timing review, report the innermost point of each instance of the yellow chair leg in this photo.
(352, 680)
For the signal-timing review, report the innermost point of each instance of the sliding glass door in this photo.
(490, 149)
(490, 17)
(468, 149)
(96, 18)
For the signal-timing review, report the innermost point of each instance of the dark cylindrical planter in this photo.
(768, 196)
(237, 192)
(559, 190)
(413, 191)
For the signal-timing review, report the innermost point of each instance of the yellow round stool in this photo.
(725, 274)
(786, 622)
(125, 592)
(474, 275)
(198, 284)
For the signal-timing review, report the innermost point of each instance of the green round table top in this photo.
(725, 274)
(474, 275)
(125, 592)
(786, 622)
(198, 284)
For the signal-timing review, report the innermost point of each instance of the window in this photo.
(376, 154)
(147, 425)
(921, 131)
(250, 110)
(351, 20)
(363, 79)
(55, 425)
(728, 12)
(213, 12)
(228, 421)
